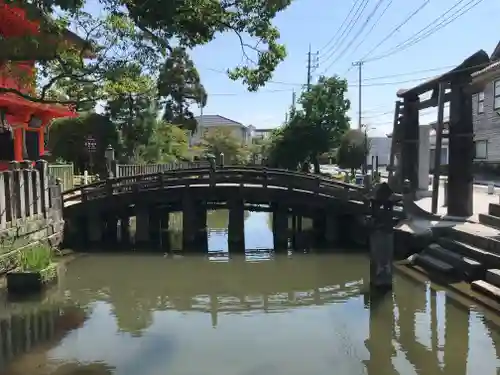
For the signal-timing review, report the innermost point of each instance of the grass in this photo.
(35, 258)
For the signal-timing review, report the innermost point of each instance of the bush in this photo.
(35, 258)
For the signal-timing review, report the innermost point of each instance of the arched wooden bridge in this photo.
(196, 189)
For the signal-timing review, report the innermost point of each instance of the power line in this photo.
(415, 38)
(356, 36)
(396, 29)
(371, 28)
(352, 23)
(341, 26)
(479, 66)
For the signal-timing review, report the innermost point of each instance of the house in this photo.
(259, 134)
(207, 123)
(486, 110)
(379, 147)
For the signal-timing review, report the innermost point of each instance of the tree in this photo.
(168, 143)
(179, 87)
(68, 136)
(317, 127)
(144, 32)
(223, 141)
(351, 153)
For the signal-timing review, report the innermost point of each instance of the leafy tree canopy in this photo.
(316, 127)
(353, 149)
(222, 140)
(148, 33)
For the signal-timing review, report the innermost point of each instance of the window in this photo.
(480, 102)
(496, 93)
(481, 149)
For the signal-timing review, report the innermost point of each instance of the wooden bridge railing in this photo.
(128, 170)
(237, 175)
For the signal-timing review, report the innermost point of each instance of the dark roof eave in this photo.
(473, 63)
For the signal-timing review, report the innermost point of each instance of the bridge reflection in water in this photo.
(287, 315)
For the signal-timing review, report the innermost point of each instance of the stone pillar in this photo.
(332, 234)
(164, 230)
(189, 224)
(142, 227)
(3, 201)
(154, 228)
(424, 157)
(409, 142)
(95, 228)
(236, 226)
(43, 169)
(27, 170)
(280, 228)
(460, 150)
(381, 238)
(125, 229)
(18, 199)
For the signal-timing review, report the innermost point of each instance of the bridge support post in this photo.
(280, 228)
(125, 229)
(154, 228)
(381, 238)
(164, 230)
(319, 229)
(194, 224)
(142, 227)
(236, 226)
(111, 230)
(201, 227)
(95, 228)
(332, 234)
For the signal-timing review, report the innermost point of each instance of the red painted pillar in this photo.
(18, 144)
(41, 140)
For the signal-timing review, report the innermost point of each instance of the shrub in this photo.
(35, 258)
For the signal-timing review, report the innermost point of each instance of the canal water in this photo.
(262, 314)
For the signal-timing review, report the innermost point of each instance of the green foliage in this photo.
(168, 143)
(223, 141)
(68, 135)
(179, 87)
(353, 149)
(314, 129)
(35, 258)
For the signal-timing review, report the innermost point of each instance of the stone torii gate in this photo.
(410, 149)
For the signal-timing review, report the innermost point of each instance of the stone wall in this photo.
(30, 210)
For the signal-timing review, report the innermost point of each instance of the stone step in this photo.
(431, 263)
(466, 267)
(486, 288)
(493, 277)
(483, 256)
(478, 240)
(494, 209)
(490, 220)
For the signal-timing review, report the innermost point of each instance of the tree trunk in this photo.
(314, 159)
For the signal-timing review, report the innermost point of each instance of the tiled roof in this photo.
(216, 120)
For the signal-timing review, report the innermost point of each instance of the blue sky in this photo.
(315, 22)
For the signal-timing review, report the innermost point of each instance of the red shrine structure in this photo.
(24, 123)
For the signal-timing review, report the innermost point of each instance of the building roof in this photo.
(216, 120)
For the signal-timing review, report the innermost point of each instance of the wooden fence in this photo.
(128, 170)
(27, 192)
(65, 173)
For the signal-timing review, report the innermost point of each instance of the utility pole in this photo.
(312, 65)
(293, 100)
(359, 64)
